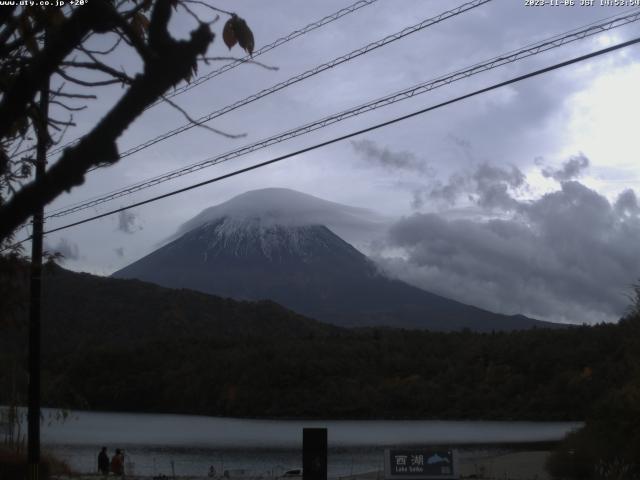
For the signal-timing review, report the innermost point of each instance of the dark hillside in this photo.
(99, 312)
(538, 375)
(126, 345)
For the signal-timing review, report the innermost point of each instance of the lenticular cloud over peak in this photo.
(283, 206)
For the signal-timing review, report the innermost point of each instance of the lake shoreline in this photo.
(188, 446)
(318, 418)
(512, 466)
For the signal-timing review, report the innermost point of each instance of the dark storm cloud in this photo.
(494, 185)
(488, 186)
(571, 255)
(64, 247)
(627, 204)
(571, 169)
(375, 155)
(448, 192)
(128, 222)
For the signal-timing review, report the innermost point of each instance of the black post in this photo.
(314, 454)
(33, 414)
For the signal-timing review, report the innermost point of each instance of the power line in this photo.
(350, 135)
(318, 69)
(291, 36)
(307, 74)
(230, 66)
(295, 34)
(532, 49)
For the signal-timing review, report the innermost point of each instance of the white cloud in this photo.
(571, 169)
(374, 155)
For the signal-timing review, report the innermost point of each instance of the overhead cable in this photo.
(353, 134)
(532, 49)
(231, 65)
(307, 74)
(293, 35)
(344, 137)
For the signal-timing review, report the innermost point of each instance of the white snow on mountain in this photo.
(285, 207)
(241, 237)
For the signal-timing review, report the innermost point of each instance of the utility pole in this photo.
(33, 414)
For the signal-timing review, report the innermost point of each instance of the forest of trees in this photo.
(608, 446)
(127, 345)
(543, 375)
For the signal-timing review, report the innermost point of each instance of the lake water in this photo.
(189, 445)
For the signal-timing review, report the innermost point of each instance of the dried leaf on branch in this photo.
(235, 31)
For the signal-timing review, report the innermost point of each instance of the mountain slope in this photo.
(87, 311)
(265, 254)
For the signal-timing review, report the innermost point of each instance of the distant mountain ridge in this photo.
(277, 251)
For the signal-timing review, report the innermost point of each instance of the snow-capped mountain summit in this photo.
(280, 245)
(255, 237)
(286, 207)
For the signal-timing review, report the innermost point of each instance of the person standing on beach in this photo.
(117, 463)
(103, 461)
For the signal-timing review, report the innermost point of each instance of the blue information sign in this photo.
(423, 463)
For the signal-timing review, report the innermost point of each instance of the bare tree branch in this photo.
(84, 83)
(62, 134)
(253, 62)
(67, 107)
(132, 38)
(28, 33)
(73, 95)
(211, 7)
(26, 150)
(10, 22)
(62, 41)
(144, 5)
(68, 123)
(190, 12)
(103, 52)
(172, 61)
(97, 65)
(16, 148)
(200, 124)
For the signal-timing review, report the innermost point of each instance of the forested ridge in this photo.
(130, 346)
(362, 374)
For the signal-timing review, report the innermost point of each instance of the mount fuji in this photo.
(284, 245)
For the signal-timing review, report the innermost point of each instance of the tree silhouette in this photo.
(39, 43)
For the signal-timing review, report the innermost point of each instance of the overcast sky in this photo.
(522, 200)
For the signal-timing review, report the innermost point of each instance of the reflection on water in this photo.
(267, 447)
